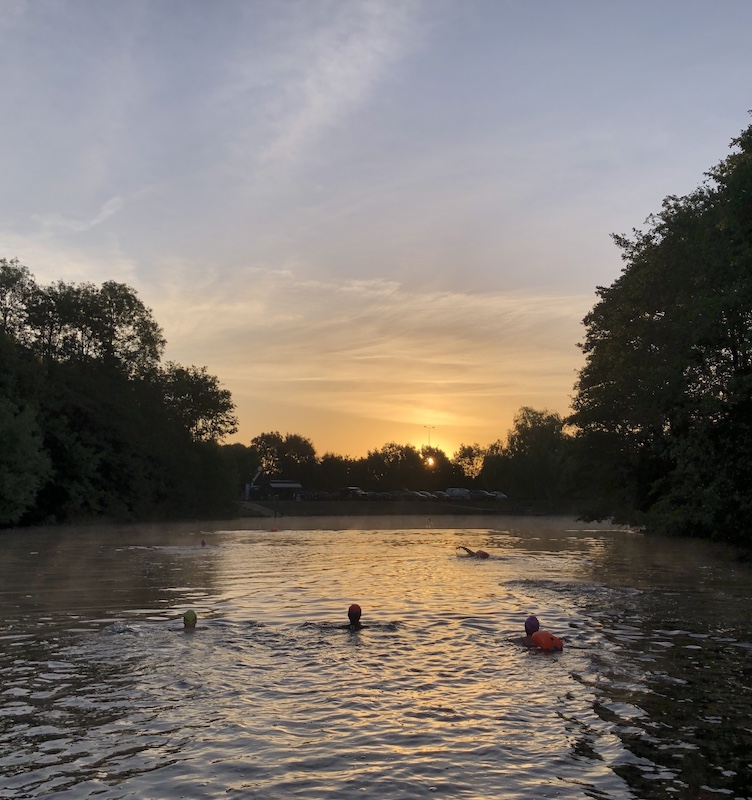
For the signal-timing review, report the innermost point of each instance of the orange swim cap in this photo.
(354, 612)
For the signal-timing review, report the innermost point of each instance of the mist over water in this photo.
(105, 695)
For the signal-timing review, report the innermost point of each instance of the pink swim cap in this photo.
(531, 625)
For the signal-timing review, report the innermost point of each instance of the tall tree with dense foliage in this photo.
(337, 471)
(663, 404)
(469, 458)
(24, 465)
(290, 456)
(91, 425)
(439, 472)
(75, 322)
(16, 285)
(532, 467)
(195, 398)
(394, 466)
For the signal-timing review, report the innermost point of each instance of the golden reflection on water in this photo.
(272, 696)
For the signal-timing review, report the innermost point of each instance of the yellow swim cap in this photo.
(189, 618)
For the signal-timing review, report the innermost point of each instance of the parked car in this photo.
(458, 494)
(352, 493)
(480, 494)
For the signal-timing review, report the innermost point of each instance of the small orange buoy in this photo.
(547, 641)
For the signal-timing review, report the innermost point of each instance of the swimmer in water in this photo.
(537, 639)
(531, 626)
(189, 620)
(474, 553)
(353, 614)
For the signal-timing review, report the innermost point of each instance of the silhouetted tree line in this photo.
(663, 406)
(92, 424)
(532, 466)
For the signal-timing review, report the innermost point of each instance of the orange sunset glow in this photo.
(373, 221)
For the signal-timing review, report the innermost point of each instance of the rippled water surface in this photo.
(104, 695)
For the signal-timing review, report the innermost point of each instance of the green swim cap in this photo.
(189, 618)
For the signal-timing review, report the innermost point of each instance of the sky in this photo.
(373, 220)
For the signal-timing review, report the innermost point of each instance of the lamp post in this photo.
(429, 428)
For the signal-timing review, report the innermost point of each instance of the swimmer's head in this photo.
(531, 625)
(189, 619)
(354, 613)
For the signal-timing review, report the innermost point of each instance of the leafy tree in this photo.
(196, 400)
(533, 466)
(24, 465)
(439, 471)
(269, 447)
(336, 471)
(16, 284)
(243, 462)
(494, 473)
(127, 333)
(288, 456)
(394, 466)
(663, 402)
(65, 321)
(207, 486)
(469, 458)
(48, 311)
(90, 424)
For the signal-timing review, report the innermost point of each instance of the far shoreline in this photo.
(328, 522)
(500, 522)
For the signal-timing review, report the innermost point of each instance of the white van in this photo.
(458, 494)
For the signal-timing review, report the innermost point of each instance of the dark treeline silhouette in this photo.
(663, 406)
(92, 424)
(533, 466)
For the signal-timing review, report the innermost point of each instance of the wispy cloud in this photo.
(376, 346)
(108, 209)
(322, 63)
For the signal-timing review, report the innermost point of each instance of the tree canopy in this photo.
(533, 465)
(66, 321)
(91, 423)
(663, 405)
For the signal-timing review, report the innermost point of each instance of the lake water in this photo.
(104, 695)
